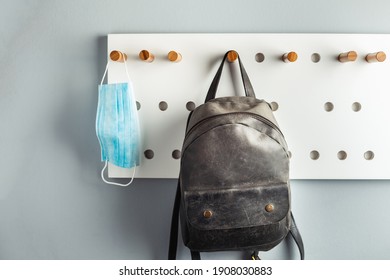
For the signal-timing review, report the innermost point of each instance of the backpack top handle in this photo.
(249, 92)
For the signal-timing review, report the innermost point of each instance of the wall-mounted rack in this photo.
(328, 94)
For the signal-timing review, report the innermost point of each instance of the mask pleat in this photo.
(117, 125)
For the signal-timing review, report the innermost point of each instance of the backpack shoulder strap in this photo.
(195, 255)
(174, 225)
(297, 237)
(173, 238)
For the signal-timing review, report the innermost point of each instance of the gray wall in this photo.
(53, 204)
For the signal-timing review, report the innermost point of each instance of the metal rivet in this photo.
(269, 207)
(207, 214)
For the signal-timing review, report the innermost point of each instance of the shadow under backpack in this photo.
(233, 190)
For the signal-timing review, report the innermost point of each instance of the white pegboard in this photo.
(300, 89)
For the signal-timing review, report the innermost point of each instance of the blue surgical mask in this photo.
(117, 126)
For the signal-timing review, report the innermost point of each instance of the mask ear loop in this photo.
(106, 163)
(105, 72)
(113, 183)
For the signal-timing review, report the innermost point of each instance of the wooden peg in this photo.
(232, 56)
(347, 56)
(290, 57)
(174, 56)
(376, 57)
(118, 56)
(146, 56)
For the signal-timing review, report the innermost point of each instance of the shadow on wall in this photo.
(76, 122)
(146, 213)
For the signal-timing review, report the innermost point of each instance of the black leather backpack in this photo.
(233, 190)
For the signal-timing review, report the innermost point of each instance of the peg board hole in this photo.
(369, 155)
(274, 106)
(356, 106)
(314, 155)
(190, 106)
(138, 106)
(176, 154)
(259, 57)
(315, 57)
(342, 155)
(163, 106)
(328, 106)
(149, 154)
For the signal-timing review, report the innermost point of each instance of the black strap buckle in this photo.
(255, 256)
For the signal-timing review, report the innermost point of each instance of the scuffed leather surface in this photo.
(233, 165)
(262, 238)
(232, 156)
(236, 207)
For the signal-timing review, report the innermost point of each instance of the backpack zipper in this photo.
(252, 115)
